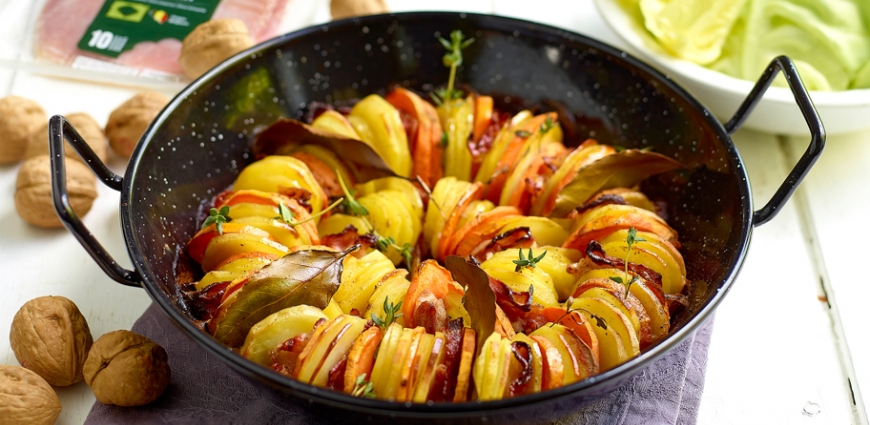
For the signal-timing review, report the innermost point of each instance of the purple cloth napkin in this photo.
(203, 390)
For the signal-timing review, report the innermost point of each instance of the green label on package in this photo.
(122, 24)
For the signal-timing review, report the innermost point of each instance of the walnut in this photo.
(51, 337)
(19, 117)
(210, 43)
(126, 369)
(33, 199)
(128, 122)
(87, 127)
(349, 8)
(25, 398)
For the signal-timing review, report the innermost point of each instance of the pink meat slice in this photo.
(62, 23)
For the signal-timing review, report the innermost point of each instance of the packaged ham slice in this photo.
(140, 37)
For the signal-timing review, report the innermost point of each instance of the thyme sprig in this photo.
(630, 240)
(391, 313)
(218, 218)
(363, 387)
(350, 203)
(524, 262)
(452, 59)
(406, 250)
(286, 214)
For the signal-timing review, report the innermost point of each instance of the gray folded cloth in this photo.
(204, 390)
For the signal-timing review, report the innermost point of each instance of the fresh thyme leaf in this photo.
(350, 203)
(522, 133)
(619, 148)
(218, 218)
(406, 253)
(528, 262)
(546, 126)
(384, 243)
(630, 240)
(452, 59)
(617, 279)
(362, 387)
(284, 213)
(391, 313)
(444, 140)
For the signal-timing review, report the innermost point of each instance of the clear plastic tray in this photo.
(18, 24)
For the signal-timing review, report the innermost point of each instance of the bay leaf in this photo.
(283, 136)
(307, 277)
(622, 169)
(479, 299)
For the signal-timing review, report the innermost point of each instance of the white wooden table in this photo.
(789, 345)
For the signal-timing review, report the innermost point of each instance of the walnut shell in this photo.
(128, 122)
(210, 43)
(340, 9)
(87, 127)
(51, 337)
(33, 191)
(25, 398)
(126, 369)
(19, 118)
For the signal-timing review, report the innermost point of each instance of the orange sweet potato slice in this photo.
(361, 357)
(502, 169)
(472, 194)
(463, 378)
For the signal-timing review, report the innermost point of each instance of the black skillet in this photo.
(198, 144)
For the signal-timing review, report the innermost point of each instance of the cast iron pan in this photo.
(197, 145)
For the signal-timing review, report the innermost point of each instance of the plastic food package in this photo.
(134, 42)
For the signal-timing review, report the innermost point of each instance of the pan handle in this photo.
(817, 130)
(58, 129)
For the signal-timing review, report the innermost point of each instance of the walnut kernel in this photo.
(212, 42)
(51, 337)
(126, 369)
(25, 398)
(87, 127)
(19, 117)
(33, 200)
(128, 122)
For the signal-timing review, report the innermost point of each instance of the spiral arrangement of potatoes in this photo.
(575, 296)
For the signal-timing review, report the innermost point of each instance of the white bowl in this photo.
(841, 112)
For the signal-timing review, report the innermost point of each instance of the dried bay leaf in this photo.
(623, 169)
(479, 299)
(307, 277)
(283, 136)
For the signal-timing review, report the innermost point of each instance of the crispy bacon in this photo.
(204, 303)
(285, 355)
(514, 304)
(520, 237)
(335, 380)
(444, 385)
(596, 253)
(302, 196)
(523, 353)
(601, 200)
(348, 238)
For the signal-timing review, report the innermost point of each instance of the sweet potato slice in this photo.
(361, 357)
(607, 219)
(470, 195)
(553, 367)
(431, 278)
(474, 228)
(463, 378)
(426, 143)
(513, 150)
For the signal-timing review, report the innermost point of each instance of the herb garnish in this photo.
(363, 387)
(528, 262)
(546, 125)
(599, 321)
(391, 313)
(350, 203)
(384, 244)
(218, 218)
(286, 214)
(453, 58)
(630, 240)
